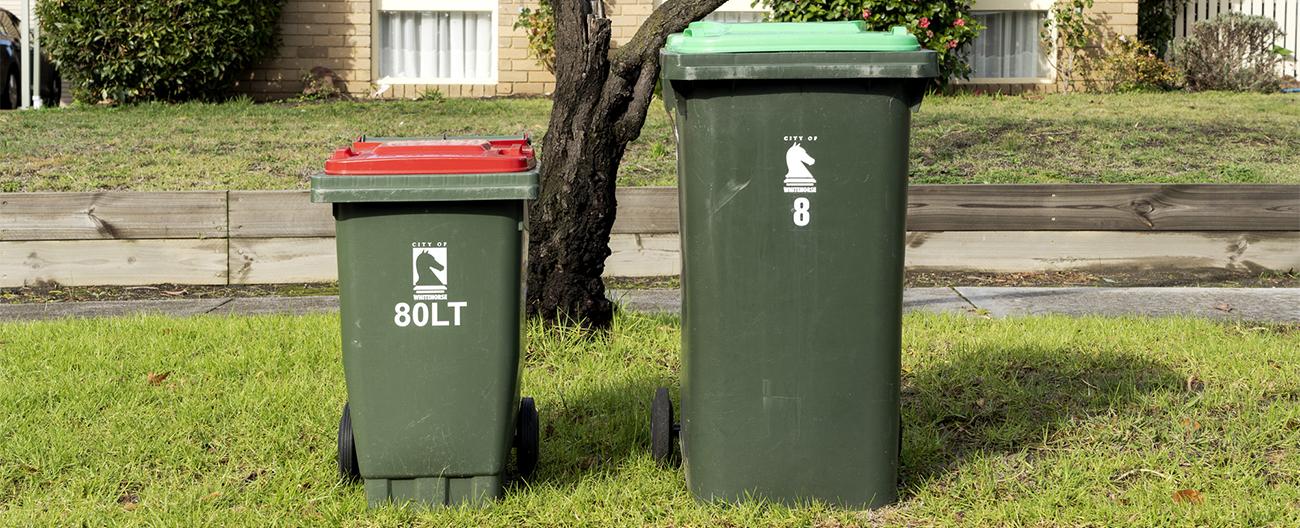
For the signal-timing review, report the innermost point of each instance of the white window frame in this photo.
(382, 6)
(1049, 76)
(732, 6)
(739, 6)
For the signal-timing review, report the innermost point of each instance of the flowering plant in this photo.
(944, 26)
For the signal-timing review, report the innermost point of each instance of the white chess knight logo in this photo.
(798, 179)
(429, 272)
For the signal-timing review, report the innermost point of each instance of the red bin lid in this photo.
(432, 156)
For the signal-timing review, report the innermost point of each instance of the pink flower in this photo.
(929, 34)
(961, 22)
(952, 44)
(866, 13)
(924, 23)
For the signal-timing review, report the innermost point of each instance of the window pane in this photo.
(443, 45)
(1010, 45)
(736, 16)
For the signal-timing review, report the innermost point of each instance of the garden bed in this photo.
(1039, 421)
(1156, 138)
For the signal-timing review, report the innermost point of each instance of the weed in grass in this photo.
(1047, 421)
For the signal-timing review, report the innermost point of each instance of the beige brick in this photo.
(304, 29)
(332, 41)
(504, 89)
(523, 64)
(313, 52)
(626, 21)
(529, 88)
(512, 53)
(642, 9)
(293, 19)
(361, 30)
(540, 76)
(1122, 19)
(340, 52)
(512, 76)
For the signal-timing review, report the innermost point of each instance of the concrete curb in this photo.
(1280, 305)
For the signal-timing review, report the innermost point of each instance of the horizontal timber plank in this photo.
(281, 214)
(1122, 207)
(272, 214)
(643, 255)
(646, 210)
(1036, 251)
(113, 262)
(280, 260)
(259, 261)
(1098, 251)
(112, 215)
(653, 210)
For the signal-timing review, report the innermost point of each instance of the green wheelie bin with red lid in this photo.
(431, 236)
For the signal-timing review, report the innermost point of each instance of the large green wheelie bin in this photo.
(792, 146)
(431, 246)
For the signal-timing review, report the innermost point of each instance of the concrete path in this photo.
(1248, 304)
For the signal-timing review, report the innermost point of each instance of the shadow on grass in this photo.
(985, 401)
(1003, 401)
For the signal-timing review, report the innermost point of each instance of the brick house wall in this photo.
(339, 35)
(331, 33)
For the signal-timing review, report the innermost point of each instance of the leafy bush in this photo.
(941, 25)
(539, 24)
(165, 50)
(1134, 66)
(1231, 51)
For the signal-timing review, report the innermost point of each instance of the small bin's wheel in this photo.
(349, 470)
(662, 428)
(527, 438)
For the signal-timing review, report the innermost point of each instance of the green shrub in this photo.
(1231, 51)
(1133, 66)
(941, 25)
(168, 50)
(539, 24)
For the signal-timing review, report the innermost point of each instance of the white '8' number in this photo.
(403, 314)
(802, 212)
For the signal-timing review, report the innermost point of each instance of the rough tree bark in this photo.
(600, 102)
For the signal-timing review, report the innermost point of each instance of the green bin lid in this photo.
(759, 37)
(710, 51)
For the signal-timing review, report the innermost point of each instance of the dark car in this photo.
(11, 68)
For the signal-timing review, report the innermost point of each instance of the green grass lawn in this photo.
(1174, 137)
(1019, 422)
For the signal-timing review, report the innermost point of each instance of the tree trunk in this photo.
(600, 102)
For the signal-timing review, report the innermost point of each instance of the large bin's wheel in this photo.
(527, 438)
(349, 470)
(662, 428)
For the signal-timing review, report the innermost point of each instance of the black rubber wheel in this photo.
(349, 470)
(9, 93)
(661, 428)
(527, 438)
